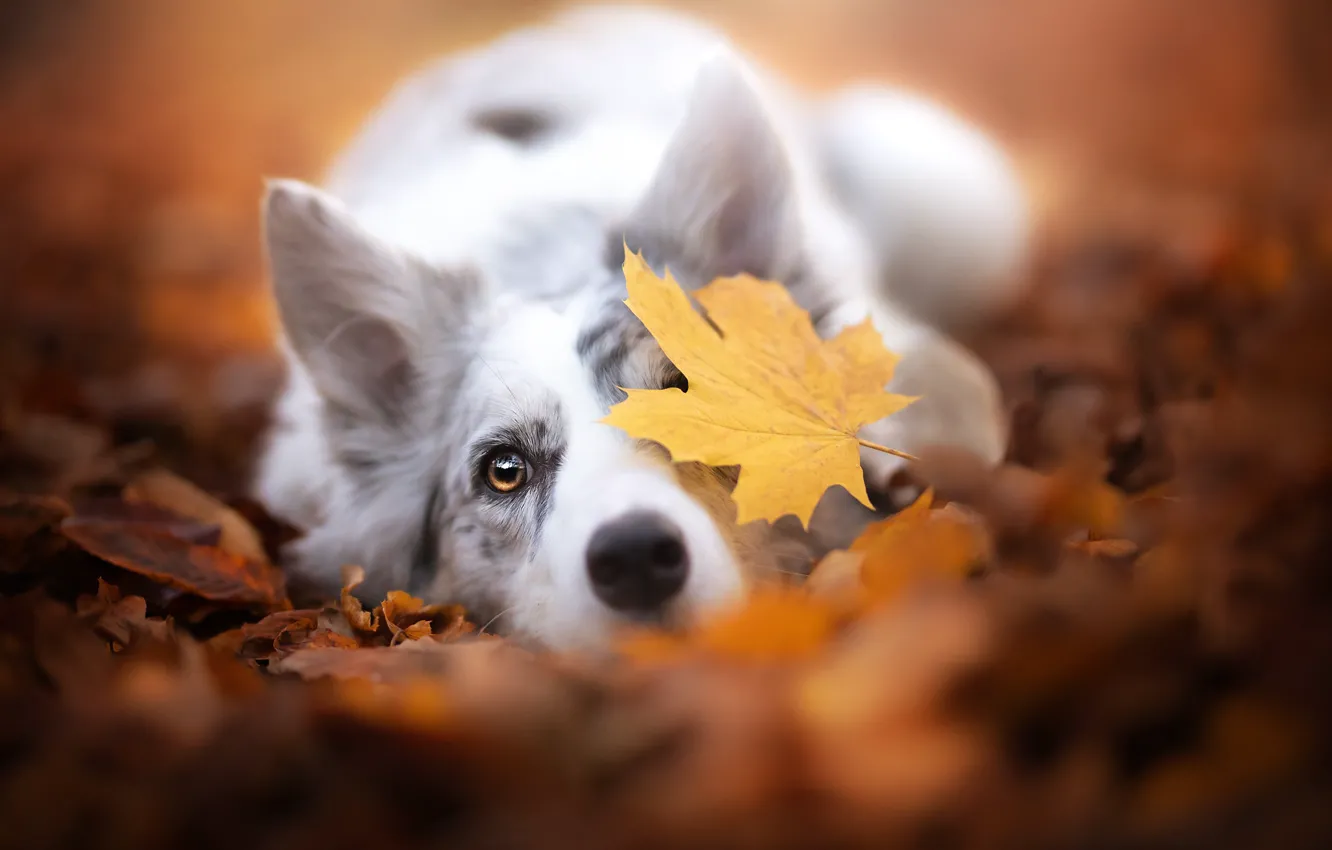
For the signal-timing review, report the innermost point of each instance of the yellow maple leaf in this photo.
(765, 394)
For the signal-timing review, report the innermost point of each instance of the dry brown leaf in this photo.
(362, 622)
(409, 618)
(774, 624)
(278, 631)
(870, 711)
(325, 639)
(22, 520)
(400, 617)
(160, 551)
(837, 577)
(376, 663)
(919, 543)
(399, 604)
(778, 623)
(1245, 746)
(143, 518)
(122, 619)
(415, 631)
(59, 453)
(1112, 549)
(1079, 497)
(166, 490)
(1168, 580)
(411, 701)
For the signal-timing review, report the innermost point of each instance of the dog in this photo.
(451, 305)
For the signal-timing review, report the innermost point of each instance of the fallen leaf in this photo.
(22, 520)
(376, 663)
(363, 622)
(325, 639)
(409, 618)
(1167, 580)
(145, 518)
(1079, 497)
(57, 454)
(919, 542)
(121, 619)
(23, 516)
(165, 490)
(773, 624)
(398, 605)
(1245, 745)
(837, 577)
(282, 631)
(765, 393)
(412, 701)
(158, 551)
(1113, 549)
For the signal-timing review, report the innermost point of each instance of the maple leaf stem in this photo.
(878, 448)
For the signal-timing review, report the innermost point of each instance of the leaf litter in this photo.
(1120, 637)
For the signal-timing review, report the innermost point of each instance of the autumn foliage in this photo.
(1121, 638)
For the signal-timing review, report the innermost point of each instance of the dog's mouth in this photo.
(668, 619)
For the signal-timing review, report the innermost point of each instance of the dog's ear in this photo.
(355, 310)
(721, 201)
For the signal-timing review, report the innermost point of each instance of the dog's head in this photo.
(462, 411)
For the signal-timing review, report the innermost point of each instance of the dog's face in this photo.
(561, 522)
(462, 409)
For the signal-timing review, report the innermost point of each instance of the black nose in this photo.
(637, 562)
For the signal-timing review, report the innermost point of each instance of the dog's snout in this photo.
(637, 562)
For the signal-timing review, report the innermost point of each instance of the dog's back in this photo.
(580, 110)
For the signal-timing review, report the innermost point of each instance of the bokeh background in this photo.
(134, 137)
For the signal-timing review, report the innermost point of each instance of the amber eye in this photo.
(506, 471)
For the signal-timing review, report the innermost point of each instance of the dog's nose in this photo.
(637, 562)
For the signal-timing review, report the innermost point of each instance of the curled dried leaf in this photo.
(920, 543)
(409, 618)
(166, 490)
(362, 622)
(161, 551)
(122, 620)
(277, 632)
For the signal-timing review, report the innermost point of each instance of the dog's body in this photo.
(456, 326)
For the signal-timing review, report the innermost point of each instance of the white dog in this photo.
(452, 311)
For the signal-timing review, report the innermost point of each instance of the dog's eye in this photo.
(506, 471)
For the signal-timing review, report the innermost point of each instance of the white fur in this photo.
(898, 211)
(938, 199)
(604, 476)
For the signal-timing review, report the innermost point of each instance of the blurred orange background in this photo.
(135, 136)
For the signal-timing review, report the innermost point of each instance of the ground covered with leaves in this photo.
(1121, 638)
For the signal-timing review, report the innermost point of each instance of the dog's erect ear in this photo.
(355, 310)
(721, 201)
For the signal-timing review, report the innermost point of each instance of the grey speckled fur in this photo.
(455, 289)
